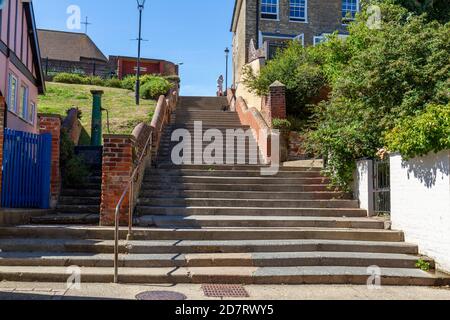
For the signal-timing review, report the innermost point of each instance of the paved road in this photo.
(51, 291)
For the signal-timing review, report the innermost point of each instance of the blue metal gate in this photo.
(26, 170)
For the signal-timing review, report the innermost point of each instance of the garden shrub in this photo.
(154, 87)
(113, 83)
(422, 134)
(129, 83)
(297, 69)
(95, 81)
(70, 78)
(74, 171)
(379, 77)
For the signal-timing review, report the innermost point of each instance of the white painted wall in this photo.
(363, 185)
(420, 193)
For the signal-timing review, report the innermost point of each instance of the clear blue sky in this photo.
(193, 32)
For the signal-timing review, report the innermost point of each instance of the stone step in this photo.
(231, 275)
(226, 173)
(81, 192)
(79, 200)
(85, 186)
(67, 219)
(259, 259)
(55, 232)
(190, 127)
(252, 203)
(248, 211)
(207, 193)
(235, 187)
(257, 222)
(203, 246)
(237, 180)
(230, 168)
(78, 208)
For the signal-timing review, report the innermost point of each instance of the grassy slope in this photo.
(123, 113)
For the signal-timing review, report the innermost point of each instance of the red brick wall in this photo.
(274, 105)
(117, 168)
(2, 127)
(52, 124)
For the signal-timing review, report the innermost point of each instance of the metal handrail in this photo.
(130, 188)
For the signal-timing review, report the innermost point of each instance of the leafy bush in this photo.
(427, 132)
(70, 78)
(74, 171)
(378, 77)
(155, 87)
(298, 70)
(95, 81)
(113, 83)
(129, 83)
(281, 124)
(173, 79)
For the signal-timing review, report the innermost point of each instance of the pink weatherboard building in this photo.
(21, 78)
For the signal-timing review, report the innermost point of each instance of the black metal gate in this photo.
(382, 186)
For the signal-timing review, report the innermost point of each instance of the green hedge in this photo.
(151, 86)
(154, 87)
(422, 134)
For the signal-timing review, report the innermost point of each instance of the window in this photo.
(12, 93)
(23, 107)
(319, 39)
(298, 10)
(349, 9)
(300, 38)
(269, 9)
(31, 113)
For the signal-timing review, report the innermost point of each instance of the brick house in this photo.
(71, 52)
(21, 78)
(267, 24)
(125, 66)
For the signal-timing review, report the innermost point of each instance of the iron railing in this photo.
(381, 187)
(130, 191)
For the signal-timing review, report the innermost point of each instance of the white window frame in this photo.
(32, 113)
(345, 20)
(296, 19)
(12, 107)
(319, 39)
(24, 102)
(270, 19)
(300, 37)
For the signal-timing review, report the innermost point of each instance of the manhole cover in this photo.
(160, 296)
(224, 291)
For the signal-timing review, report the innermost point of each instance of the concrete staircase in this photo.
(224, 224)
(78, 204)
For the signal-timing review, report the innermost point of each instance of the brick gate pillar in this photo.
(277, 101)
(51, 123)
(117, 167)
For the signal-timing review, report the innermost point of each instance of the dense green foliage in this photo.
(74, 171)
(434, 9)
(427, 132)
(297, 69)
(153, 87)
(381, 80)
(379, 77)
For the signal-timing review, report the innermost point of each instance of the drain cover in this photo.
(160, 296)
(224, 291)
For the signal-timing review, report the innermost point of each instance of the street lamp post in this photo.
(227, 53)
(140, 4)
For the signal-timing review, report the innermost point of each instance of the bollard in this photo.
(96, 128)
